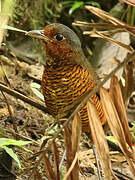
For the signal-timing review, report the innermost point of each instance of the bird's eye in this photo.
(59, 37)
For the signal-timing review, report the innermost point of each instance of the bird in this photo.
(67, 74)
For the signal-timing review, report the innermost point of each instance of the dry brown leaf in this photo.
(106, 16)
(76, 133)
(56, 160)
(99, 139)
(116, 127)
(48, 168)
(37, 175)
(71, 167)
(68, 146)
(131, 2)
(116, 96)
(101, 35)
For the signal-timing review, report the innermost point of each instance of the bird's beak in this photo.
(38, 34)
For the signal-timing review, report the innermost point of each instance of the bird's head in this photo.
(60, 42)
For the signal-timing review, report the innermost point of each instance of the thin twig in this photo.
(24, 98)
(22, 136)
(97, 162)
(11, 113)
(98, 25)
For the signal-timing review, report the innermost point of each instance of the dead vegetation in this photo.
(22, 118)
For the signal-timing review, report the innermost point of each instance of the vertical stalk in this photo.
(6, 10)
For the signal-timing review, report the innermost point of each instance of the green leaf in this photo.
(113, 139)
(66, 3)
(93, 3)
(4, 142)
(7, 142)
(76, 5)
(12, 154)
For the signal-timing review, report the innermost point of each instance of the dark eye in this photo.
(59, 37)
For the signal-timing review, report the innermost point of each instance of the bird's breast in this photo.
(63, 86)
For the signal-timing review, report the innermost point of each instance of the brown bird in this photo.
(66, 76)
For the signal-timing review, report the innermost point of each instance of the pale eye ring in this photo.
(59, 37)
